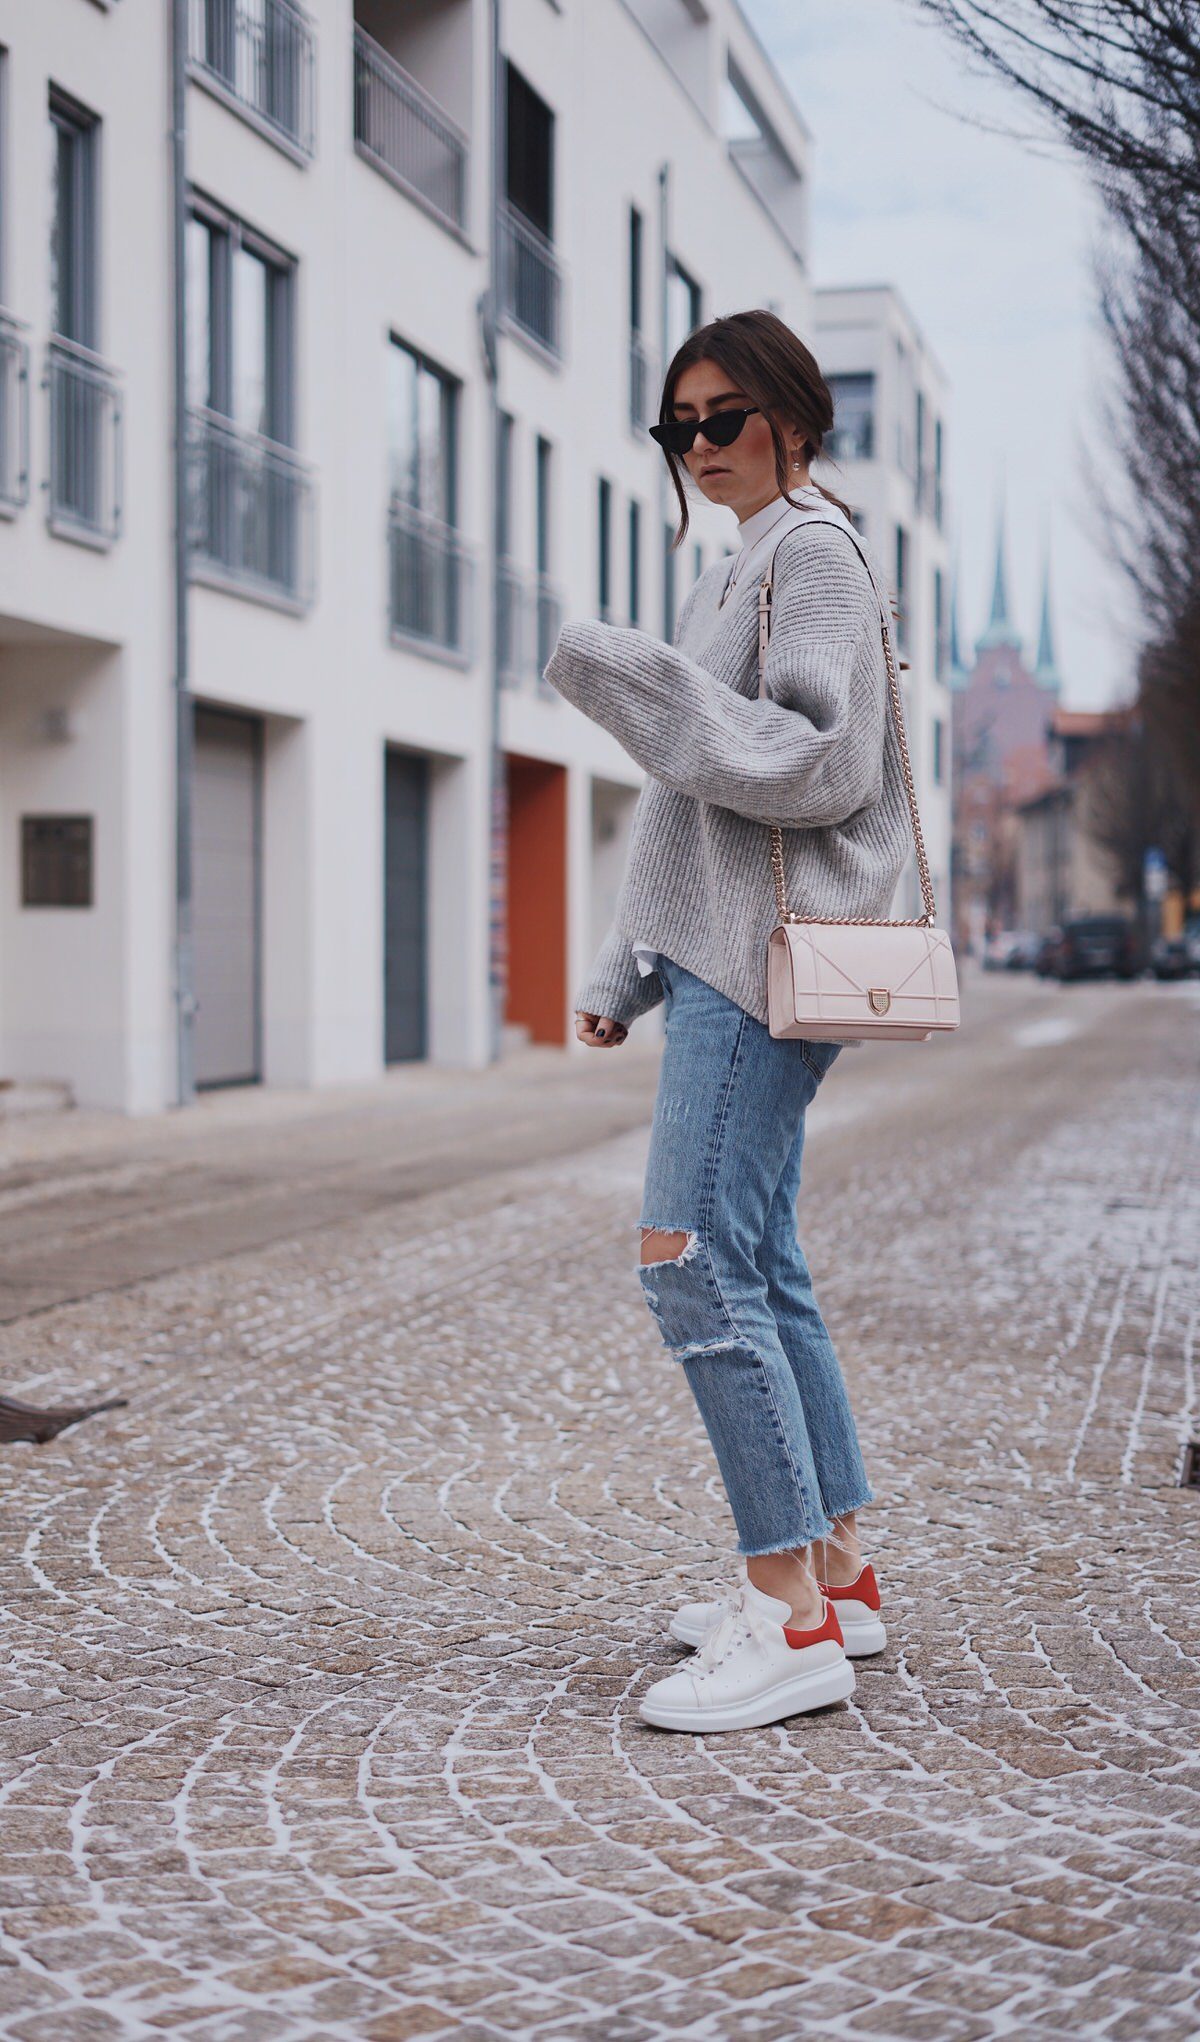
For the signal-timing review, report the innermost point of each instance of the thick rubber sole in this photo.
(862, 1640)
(795, 1697)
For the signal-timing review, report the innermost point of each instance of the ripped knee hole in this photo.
(662, 1244)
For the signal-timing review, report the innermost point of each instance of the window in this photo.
(251, 499)
(939, 623)
(428, 564)
(239, 337)
(422, 408)
(668, 584)
(697, 562)
(639, 359)
(939, 768)
(74, 149)
(504, 485)
(529, 152)
(604, 546)
(853, 435)
(635, 561)
(902, 587)
(635, 270)
(85, 406)
(542, 504)
(939, 463)
(919, 430)
(530, 280)
(549, 602)
(684, 303)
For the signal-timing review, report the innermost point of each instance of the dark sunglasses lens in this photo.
(676, 435)
(720, 429)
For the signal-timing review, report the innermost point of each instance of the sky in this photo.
(990, 241)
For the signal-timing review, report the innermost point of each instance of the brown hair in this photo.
(776, 371)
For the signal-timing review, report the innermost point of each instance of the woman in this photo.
(744, 412)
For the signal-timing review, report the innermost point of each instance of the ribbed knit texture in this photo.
(819, 756)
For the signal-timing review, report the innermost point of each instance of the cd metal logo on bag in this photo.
(880, 999)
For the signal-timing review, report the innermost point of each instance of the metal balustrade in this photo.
(262, 53)
(430, 579)
(406, 134)
(515, 625)
(530, 281)
(14, 415)
(250, 509)
(549, 606)
(84, 480)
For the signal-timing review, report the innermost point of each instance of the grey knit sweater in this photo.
(820, 757)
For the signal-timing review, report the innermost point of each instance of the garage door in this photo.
(226, 847)
(406, 810)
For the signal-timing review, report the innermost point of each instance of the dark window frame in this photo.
(450, 394)
(229, 234)
(75, 123)
(604, 559)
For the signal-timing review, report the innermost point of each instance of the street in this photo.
(319, 1698)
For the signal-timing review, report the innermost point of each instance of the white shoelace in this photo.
(738, 1621)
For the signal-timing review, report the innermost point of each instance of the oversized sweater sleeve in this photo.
(810, 754)
(614, 985)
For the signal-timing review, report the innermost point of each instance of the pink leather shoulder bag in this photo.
(857, 980)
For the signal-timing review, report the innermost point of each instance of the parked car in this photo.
(1045, 962)
(1024, 953)
(1008, 950)
(1191, 938)
(1098, 946)
(1169, 958)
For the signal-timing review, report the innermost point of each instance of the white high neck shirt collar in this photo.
(753, 528)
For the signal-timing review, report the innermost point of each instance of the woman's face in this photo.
(741, 476)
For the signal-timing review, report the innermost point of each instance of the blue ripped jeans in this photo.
(736, 1308)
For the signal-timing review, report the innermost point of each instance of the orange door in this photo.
(537, 898)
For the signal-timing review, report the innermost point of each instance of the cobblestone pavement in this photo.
(318, 1707)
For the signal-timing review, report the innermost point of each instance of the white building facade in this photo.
(888, 462)
(432, 254)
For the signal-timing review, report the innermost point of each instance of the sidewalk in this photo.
(319, 1701)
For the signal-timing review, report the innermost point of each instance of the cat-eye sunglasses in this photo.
(720, 429)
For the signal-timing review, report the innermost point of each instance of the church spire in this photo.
(1047, 666)
(999, 629)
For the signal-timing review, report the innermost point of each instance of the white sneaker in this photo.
(858, 1606)
(754, 1667)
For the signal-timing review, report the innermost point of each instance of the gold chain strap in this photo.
(784, 913)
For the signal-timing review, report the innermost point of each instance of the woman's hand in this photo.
(600, 1031)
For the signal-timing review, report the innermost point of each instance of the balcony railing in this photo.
(406, 134)
(14, 416)
(84, 482)
(515, 625)
(262, 53)
(250, 510)
(549, 603)
(429, 580)
(530, 281)
(639, 383)
(529, 614)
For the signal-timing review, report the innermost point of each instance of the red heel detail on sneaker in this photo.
(829, 1627)
(863, 1588)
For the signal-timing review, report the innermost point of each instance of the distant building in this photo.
(1061, 871)
(382, 216)
(888, 452)
(1003, 709)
